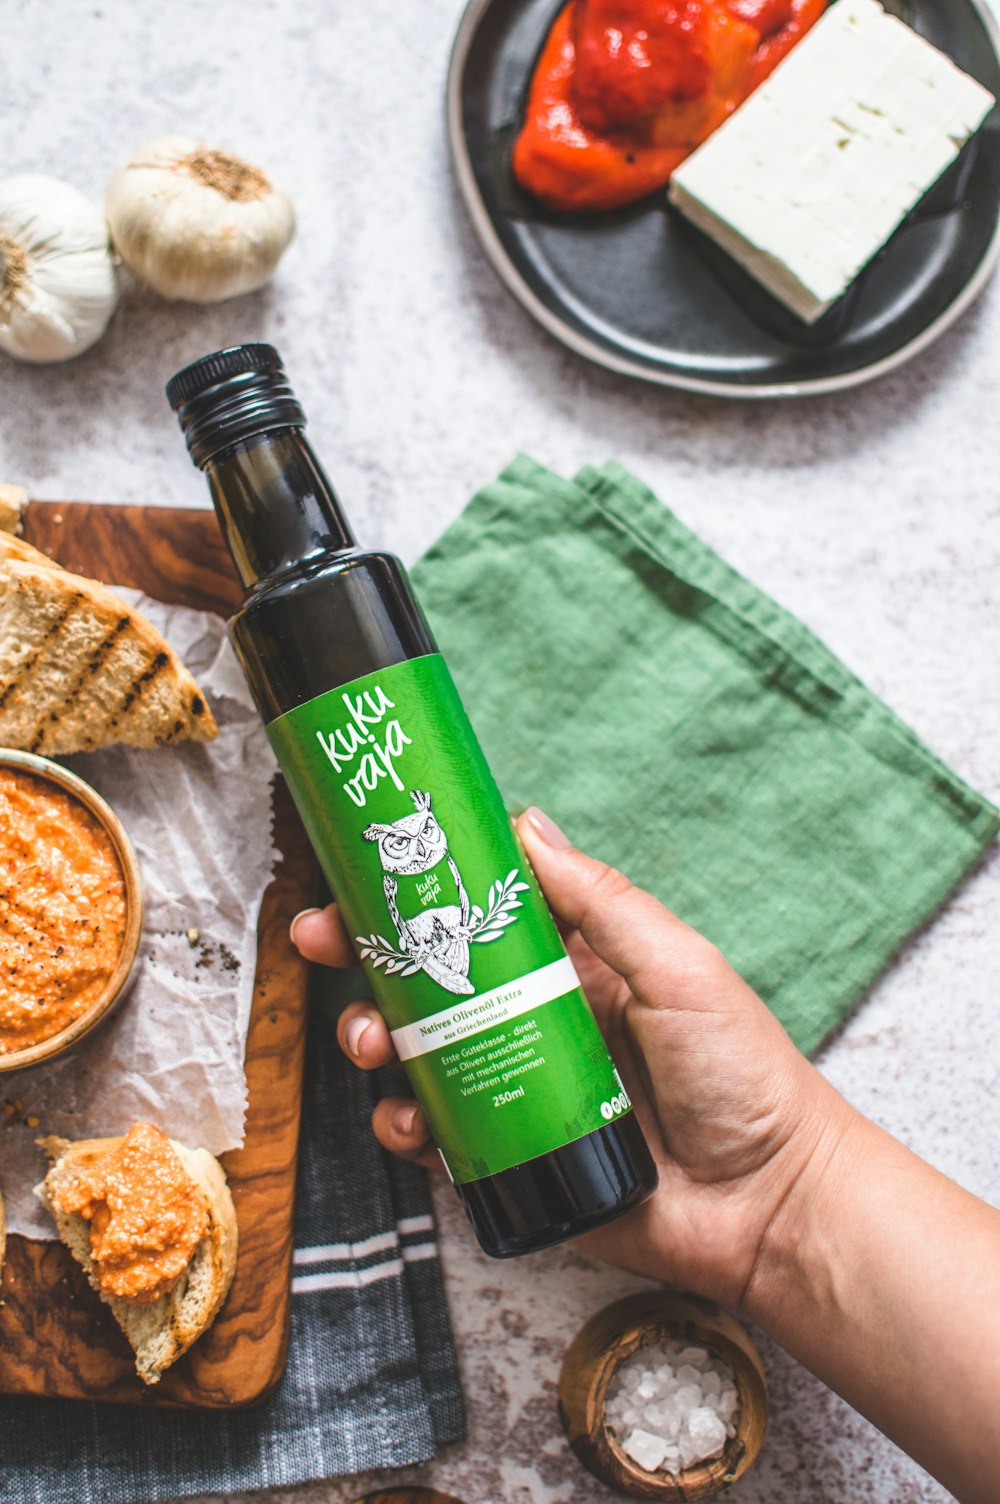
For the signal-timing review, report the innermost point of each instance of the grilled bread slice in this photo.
(80, 669)
(160, 1331)
(13, 500)
(12, 546)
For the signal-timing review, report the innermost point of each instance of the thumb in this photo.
(663, 961)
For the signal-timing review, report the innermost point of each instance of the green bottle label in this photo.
(465, 960)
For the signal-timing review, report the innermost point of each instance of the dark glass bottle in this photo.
(321, 613)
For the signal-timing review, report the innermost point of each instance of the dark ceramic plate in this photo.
(642, 292)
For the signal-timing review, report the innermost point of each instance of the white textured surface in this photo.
(874, 515)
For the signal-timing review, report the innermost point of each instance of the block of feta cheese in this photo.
(809, 178)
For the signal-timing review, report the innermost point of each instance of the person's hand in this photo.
(733, 1114)
(775, 1197)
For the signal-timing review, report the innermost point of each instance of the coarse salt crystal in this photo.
(707, 1432)
(689, 1396)
(689, 1452)
(645, 1449)
(665, 1418)
(688, 1375)
(697, 1357)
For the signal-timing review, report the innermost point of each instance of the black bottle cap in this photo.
(231, 395)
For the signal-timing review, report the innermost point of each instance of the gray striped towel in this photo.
(371, 1380)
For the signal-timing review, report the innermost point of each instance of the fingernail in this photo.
(300, 915)
(403, 1119)
(355, 1032)
(548, 829)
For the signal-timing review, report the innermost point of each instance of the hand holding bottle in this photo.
(730, 1109)
(776, 1197)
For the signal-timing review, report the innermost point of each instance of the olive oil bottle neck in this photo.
(276, 507)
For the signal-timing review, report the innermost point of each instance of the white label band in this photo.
(486, 1010)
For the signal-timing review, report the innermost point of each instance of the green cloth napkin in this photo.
(677, 722)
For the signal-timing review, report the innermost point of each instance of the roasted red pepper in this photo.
(778, 36)
(625, 89)
(635, 59)
(563, 163)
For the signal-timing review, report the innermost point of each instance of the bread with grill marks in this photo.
(12, 546)
(80, 669)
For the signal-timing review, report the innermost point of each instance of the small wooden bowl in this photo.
(613, 1335)
(124, 973)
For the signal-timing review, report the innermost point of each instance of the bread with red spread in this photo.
(159, 1329)
(80, 669)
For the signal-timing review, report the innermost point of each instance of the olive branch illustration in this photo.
(503, 901)
(482, 928)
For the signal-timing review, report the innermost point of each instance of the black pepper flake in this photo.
(206, 952)
(230, 963)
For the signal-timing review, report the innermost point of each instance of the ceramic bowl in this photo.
(118, 983)
(620, 1330)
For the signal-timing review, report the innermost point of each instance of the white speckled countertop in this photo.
(874, 515)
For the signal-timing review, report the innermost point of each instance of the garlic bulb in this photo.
(196, 223)
(58, 286)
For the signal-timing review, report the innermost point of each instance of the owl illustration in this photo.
(436, 939)
(414, 844)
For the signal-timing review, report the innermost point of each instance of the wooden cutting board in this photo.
(56, 1338)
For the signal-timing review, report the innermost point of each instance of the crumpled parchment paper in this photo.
(200, 818)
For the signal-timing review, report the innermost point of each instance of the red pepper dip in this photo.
(62, 910)
(146, 1214)
(624, 90)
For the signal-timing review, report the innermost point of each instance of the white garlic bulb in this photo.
(196, 223)
(58, 285)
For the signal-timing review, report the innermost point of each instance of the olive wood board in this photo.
(56, 1338)
(408, 1496)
